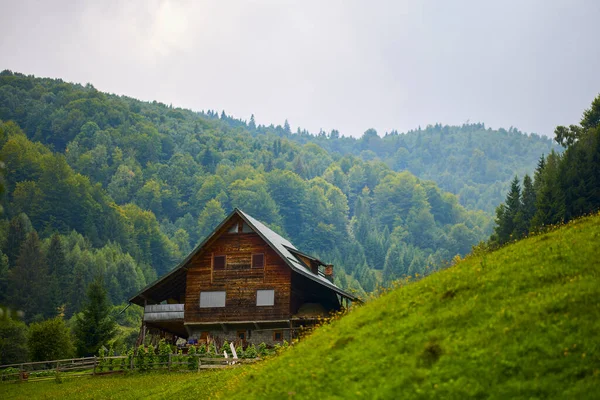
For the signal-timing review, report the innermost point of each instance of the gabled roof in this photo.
(283, 247)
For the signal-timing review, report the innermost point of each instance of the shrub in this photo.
(101, 359)
(110, 361)
(130, 355)
(140, 359)
(163, 352)
(151, 357)
(225, 348)
(239, 351)
(262, 349)
(251, 352)
(13, 341)
(192, 359)
(50, 340)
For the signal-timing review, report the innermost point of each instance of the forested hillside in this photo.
(473, 162)
(98, 184)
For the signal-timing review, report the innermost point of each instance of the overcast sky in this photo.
(346, 65)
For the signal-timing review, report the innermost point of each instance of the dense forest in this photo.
(105, 185)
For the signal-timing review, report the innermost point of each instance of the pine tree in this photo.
(527, 204)
(507, 214)
(28, 280)
(550, 198)
(59, 275)
(94, 326)
(3, 276)
(18, 229)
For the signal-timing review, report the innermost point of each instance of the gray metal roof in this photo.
(281, 246)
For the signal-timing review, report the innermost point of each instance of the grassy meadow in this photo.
(155, 385)
(519, 322)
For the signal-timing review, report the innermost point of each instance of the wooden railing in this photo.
(89, 366)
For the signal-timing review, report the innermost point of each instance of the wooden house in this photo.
(244, 281)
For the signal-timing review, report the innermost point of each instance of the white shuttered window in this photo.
(265, 297)
(212, 299)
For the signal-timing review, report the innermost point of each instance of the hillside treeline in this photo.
(146, 182)
(564, 186)
(472, 161)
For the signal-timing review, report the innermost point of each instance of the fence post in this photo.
(199, 362)
(169, 365)
(95, 363)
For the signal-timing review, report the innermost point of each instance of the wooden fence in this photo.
(89, 366)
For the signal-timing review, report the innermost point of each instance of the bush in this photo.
(192, 359)
(140, 359)
(13, 341)
(225, 348)
(262, 349)
(163, 352)
(101, 359)
(7, 374)
(251, 352)
(151, 357)
(50, 340)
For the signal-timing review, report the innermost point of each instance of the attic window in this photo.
(219, 262)
(258, 260)
(246, 228)
(233, 229)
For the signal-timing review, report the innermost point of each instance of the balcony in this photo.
(163, 312)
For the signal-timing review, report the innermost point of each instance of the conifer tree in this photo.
(527, 205)
(18, 229)
(94, 326)
(58, 271)
(28, 280)
(507, 214)
(3, 276)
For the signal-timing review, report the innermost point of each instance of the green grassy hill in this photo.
(521, 322)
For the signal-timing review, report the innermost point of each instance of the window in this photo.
(265, 297)
(233, 229)
(241, 335)
(258, 260)
(246, 228)
(219, 262)
(277, 336)
(212, 299)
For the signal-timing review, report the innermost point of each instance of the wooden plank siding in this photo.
(239, 280)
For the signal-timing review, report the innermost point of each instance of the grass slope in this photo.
(521, 322)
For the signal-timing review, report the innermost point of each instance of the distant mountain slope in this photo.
(520, 322)
(471, 161)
